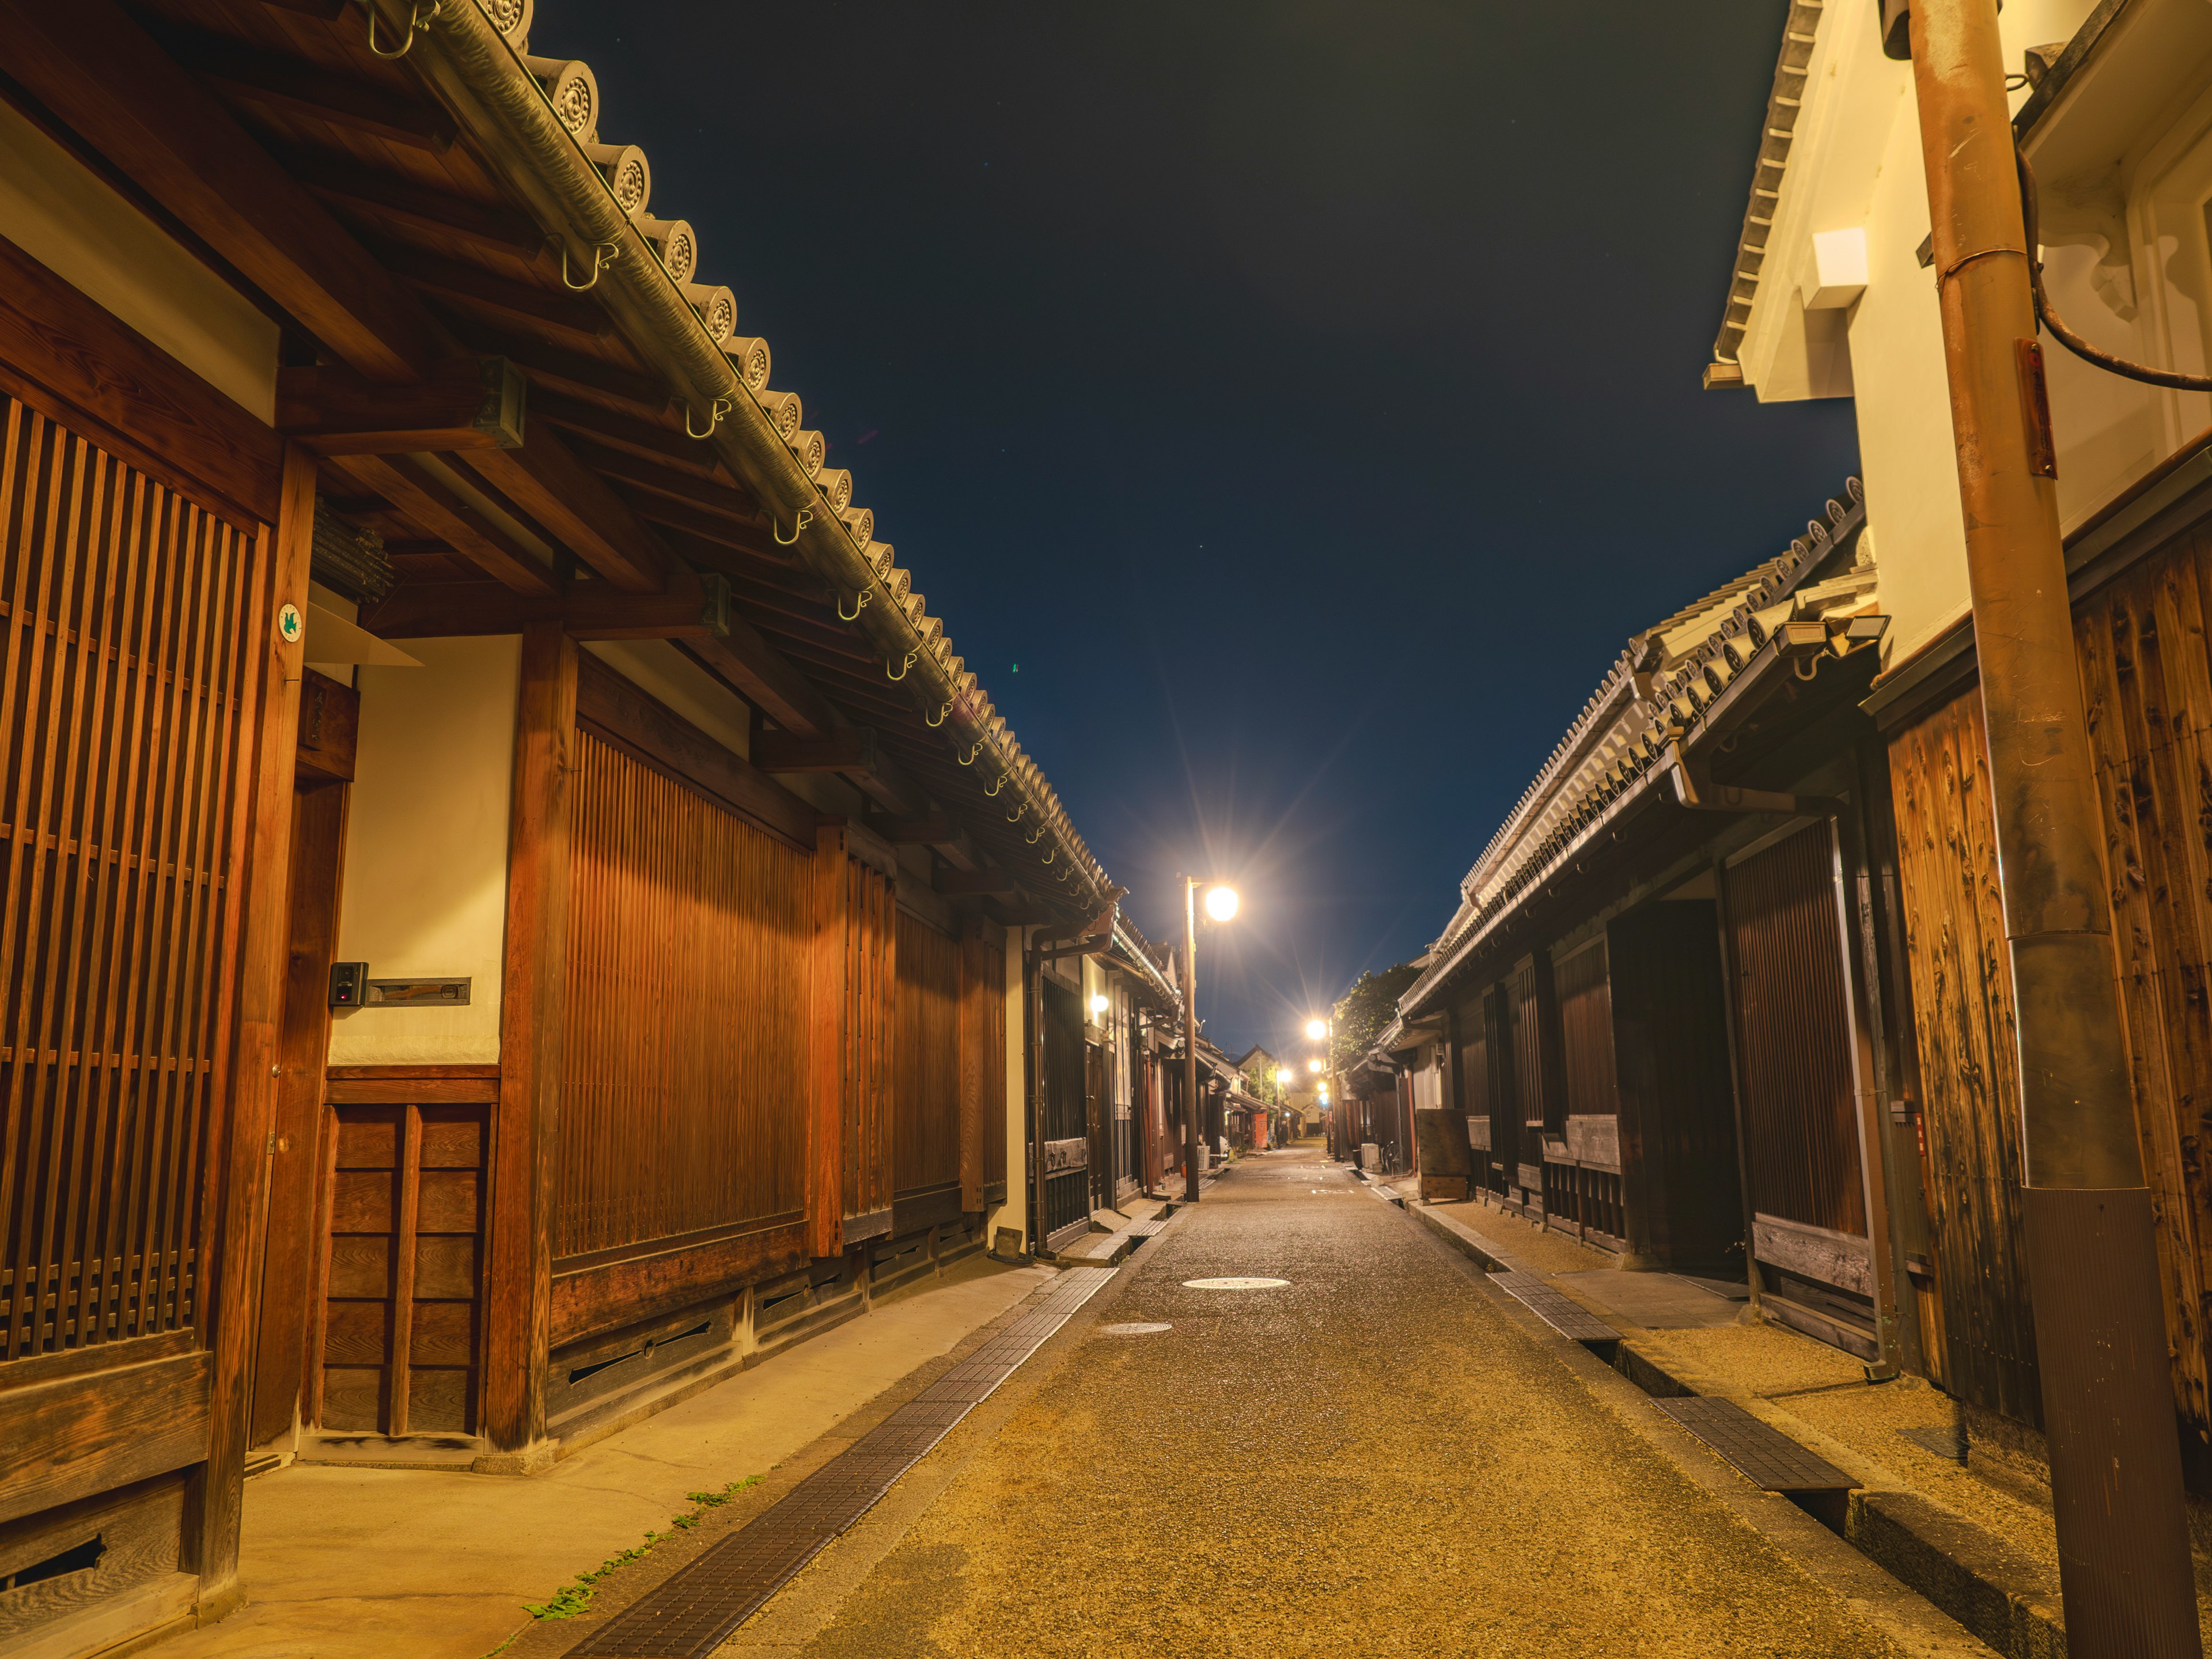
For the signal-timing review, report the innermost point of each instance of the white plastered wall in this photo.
(64, 216)
(424, 889)
(1854, 163)
(1014, 1212)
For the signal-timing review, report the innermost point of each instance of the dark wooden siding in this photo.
(1678, 1147)
(1535, 1048)
(128, 699)
(1793, 1018)
(926, 1138)
(1586, 1032)
(2148, 685)
(1984, 1349)
(684, 1062)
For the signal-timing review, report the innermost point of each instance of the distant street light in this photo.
(1317, 1029)
(1314, 1065)
(1099, 1004)
(1220, 905)
(1283, 1075)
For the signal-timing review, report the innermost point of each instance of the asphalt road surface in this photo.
(1376, 1458)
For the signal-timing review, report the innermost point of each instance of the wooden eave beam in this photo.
(992, 883)
(293, 86)
(402, 481)
(848, 748)
(392, 202)
(465, 404)
(650, 440)
(918, 832)
(457, 279)
(572, 374)
(572, 501)
(585, 612)
(103, 75)
(761, 675)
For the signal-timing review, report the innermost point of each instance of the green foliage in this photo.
(1366, 1009)
(1259, 1081)
(575, 1597)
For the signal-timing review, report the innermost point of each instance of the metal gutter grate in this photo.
(695, 1611)
(1765, 1456)
(1562, 1314)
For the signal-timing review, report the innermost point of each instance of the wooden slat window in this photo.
(684, 1066)
(127, 703)
(927, 1138)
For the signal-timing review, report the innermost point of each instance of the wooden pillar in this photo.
(532, 1012)
(826, 1045)
(261, 873)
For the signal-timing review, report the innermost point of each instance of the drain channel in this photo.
(695, 1611)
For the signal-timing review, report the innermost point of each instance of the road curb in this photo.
(1999, 1593)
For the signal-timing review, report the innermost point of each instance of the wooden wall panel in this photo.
(982, 1060)
(2148, 684)
(926, 1089)
(868, 1049)
(1983, 1339)
(684, 1064)
(1585, 996)
(1793, 1021)
(1682, 1188)
(130, 696)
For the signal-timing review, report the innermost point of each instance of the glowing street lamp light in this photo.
(1099, 1004)
(1317, 1029)
(1221, 905)
(1313, 1065)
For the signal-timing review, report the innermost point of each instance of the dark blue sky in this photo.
(1304, 396)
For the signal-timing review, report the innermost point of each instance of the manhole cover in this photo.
(1134, 1330)
(1234, 1284)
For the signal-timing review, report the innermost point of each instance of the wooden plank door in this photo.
(402, 1321)
(1796, 1063)
(1064, 1149)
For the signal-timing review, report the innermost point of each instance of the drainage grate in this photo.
(1562, 1314)
(1765, 1456)
(696, 1608)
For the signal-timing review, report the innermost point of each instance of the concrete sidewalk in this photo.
(368, 1564)
(1970, 1528)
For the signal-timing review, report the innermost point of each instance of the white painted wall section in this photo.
(424, 888)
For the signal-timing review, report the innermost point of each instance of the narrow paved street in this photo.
(1374, 1458)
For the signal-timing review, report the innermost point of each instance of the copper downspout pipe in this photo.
(2092, 1267)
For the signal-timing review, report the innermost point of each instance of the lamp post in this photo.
(1324, 1031)
(1221, 905)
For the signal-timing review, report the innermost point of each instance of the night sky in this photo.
(1304, 396)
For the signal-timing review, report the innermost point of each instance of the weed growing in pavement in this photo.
(575, 1597)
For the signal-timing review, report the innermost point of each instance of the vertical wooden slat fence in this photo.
(684, 1064)
(129, 697)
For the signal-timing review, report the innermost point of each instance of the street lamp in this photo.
(1313, 1065)
(1098, 1004)
(1220, 905)
(1317, 1029)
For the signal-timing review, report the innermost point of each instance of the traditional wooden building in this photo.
(1833, 297)
(1661, 1019)
(512, 908)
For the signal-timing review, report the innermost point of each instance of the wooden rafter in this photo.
(433, 506)
(99, 72)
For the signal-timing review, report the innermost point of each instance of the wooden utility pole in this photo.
(2108, 1408)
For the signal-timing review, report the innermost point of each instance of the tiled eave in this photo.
(1777, 133)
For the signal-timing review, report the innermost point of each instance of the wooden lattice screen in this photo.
(128, 705)
(684, 1063)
